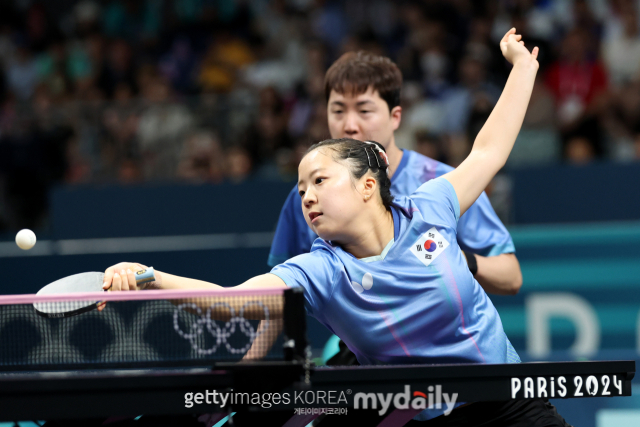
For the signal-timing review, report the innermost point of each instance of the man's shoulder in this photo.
(294, 191)
(293, 198)
(420, 162)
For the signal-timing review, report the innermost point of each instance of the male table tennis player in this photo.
(363, 102)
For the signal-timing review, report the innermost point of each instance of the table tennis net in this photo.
(148, 328)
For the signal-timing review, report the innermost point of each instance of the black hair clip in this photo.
(368, 158)
(381, 153)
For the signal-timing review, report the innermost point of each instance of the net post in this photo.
(295, 325)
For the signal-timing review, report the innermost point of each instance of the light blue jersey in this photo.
(479, 230)
(417, 302)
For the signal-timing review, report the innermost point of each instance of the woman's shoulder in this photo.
(322, 252)
(433, 189)
(435, 199)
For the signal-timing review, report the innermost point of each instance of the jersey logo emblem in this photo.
(367, 283)
(429, 246)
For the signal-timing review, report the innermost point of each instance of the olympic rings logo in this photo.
(221, 334)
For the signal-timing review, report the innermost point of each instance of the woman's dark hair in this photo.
(361, 156)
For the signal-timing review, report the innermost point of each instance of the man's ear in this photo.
(396, 116)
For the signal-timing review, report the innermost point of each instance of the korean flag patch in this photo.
(429, 246)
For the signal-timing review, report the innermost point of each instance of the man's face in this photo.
(365, 117)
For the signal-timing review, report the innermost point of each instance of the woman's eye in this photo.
(337, 112)
(319, 180)
(301, 193)
(364, 112)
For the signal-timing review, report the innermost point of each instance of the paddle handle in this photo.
(145, 276)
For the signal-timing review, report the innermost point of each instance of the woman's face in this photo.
(331, 200)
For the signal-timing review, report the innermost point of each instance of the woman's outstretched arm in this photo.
(496, 138)
(120, 277)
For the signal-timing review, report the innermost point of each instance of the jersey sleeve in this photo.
(315, 273)
(438, 202)
(481, 232)
(293, 236)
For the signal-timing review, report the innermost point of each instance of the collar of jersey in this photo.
(403, 162)
(382, 255)
(396, 231)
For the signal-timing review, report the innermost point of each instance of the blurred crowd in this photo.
(127, 91)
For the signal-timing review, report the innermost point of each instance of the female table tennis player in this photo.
(387, 276)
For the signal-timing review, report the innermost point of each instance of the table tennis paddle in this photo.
(83, 282)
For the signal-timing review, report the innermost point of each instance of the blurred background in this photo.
(168, 132)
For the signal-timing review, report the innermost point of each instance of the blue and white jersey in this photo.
(479, 230)
(417, 302)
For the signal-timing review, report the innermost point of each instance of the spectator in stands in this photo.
(99, 60)
(473, 87)
(430, 145)
(470, 99)
(621, 51)
(578, 84)
(32, 158)
(622, 120)
(202, 159)
(117, 68)
(162, 128)
(178, 65)
(22, 73)
(579, 150)
(238, 164)
(269, 133)
(222, 62)
(118, 141)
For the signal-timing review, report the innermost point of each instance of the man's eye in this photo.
(301, 193)
(364, 112)
(337, 112)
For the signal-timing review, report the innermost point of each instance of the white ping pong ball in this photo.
(25, 239)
